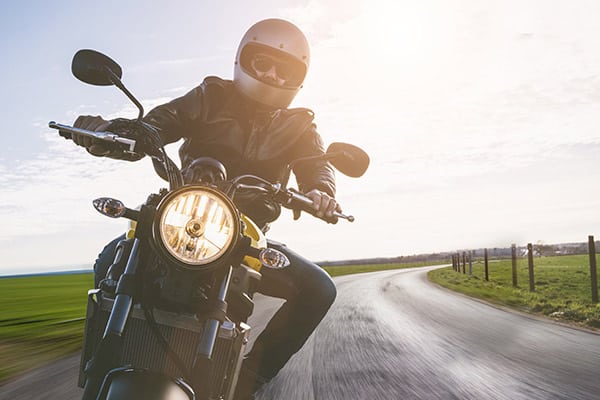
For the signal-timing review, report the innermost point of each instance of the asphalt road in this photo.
(394, 335)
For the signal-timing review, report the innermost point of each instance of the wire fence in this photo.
(460, 262)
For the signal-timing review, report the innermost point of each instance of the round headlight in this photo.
(196, 225)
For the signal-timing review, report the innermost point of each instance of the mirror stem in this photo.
(117, 82)
(286, 177)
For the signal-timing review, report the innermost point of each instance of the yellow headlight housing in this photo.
(196, 225)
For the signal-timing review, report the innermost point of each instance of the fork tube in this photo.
(110, 346)
(124, 299)
(211, 327)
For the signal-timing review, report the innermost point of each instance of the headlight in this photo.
(196, 225)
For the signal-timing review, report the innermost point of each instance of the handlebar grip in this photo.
(66, 135)
(299, 201)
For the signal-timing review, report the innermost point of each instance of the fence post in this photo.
(464, 263)
(471, 263)
(514, 264)
(530, 259)
(594, 277)
(453, 262)
(485, 258)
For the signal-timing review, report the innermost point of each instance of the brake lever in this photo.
(67, 131)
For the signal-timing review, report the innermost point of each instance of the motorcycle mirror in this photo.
(93, 67)
(350, 160)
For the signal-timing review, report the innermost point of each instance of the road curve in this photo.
(394, 335)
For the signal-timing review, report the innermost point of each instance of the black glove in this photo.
(99, 148)
(297, 214)
(91, 123)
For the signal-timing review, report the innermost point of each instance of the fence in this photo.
(467, 256)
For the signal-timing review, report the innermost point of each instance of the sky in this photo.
(481, 119)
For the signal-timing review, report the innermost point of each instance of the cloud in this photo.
(52, 192)
(130, 111)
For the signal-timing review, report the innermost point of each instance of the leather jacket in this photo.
(215, 120)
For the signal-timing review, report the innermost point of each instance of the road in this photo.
(394, 335)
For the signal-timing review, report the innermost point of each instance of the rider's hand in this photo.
(91, 123)
(323, 204)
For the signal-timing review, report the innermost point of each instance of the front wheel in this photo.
(130, 384)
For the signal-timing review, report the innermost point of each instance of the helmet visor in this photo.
(257, 58)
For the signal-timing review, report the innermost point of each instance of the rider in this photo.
(247, 125)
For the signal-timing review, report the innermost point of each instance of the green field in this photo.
(562, 287)
(41, 319)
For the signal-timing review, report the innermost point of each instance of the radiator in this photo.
(142, 350)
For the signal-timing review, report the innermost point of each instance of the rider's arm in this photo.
(316, 178)
(176, 118)
(310, 174)
(173, 120)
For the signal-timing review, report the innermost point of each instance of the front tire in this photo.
(144, 385)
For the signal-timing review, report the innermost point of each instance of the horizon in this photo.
(12, 272)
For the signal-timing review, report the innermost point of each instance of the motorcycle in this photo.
(169, 319)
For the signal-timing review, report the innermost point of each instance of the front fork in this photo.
(109, 349)
(108, 352)
(201, 371)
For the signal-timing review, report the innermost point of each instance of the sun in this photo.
(394, 36)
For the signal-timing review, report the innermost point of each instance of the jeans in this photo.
(308, 291)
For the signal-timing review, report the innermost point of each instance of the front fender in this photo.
(138, 384)
(257, 240)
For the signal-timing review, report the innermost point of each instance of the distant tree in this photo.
(542, 249)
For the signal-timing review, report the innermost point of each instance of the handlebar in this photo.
(288, 198)
(121, 143)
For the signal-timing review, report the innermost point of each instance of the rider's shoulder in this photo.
(306, 112)
(215, 83)
(214, 89)
(298, 115)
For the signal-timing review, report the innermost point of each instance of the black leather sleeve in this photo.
(310, 174)
(176, 118)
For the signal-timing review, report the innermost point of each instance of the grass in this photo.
(41, 319)
(562, 287)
